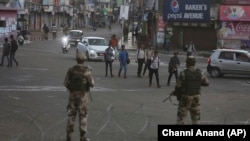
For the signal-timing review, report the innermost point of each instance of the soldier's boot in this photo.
(69, 136)
(83, 137)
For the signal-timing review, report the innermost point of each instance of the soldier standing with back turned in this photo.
(187, 89)
(78, 81)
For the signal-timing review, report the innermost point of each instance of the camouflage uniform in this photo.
(188, 85)
(77, 103)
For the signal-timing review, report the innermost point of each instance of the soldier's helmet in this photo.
(191, 60)
(80, 57)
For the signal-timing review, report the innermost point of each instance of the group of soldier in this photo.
(79, 79)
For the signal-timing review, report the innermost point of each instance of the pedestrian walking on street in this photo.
(54, 30)
(109, 58)
(78, 81)
(6, 52)
(173, 65)
(187, 90)
(191, 49)
(123, 58)
(13, 49)
(154, 69)
(149, 55)
(46, 31)
(114, 42)
(140, 58)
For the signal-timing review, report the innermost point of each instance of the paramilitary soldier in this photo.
(78, 81)
(187, 90)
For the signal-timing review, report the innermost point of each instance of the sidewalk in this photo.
(132, 45)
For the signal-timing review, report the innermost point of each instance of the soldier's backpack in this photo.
(14, 45)
(77, 80)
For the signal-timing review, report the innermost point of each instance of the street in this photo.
(33, 98)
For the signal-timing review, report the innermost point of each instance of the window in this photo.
(226, 55)
(242, 57)
(97, 42)
(2, 23)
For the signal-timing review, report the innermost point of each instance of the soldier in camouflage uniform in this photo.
(78, 81)
(188, 88)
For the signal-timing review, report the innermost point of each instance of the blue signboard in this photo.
(186, 10)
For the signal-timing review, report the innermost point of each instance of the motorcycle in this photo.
(20, 39)
(65, 44)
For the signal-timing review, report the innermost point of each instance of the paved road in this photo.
(33, 99)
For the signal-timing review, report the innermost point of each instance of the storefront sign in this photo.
(160, 38)
(234, 30)
(161, 24)
(234, 13)
(186, 11)
(48, 2)
(237, 1)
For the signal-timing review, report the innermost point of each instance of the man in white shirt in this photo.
(154, 69)
(191, 49)
(149, 54)
(140, 59)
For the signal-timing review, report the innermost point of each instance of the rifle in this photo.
(173, 93)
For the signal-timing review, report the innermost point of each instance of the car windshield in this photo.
(97, 42)
(75, 34)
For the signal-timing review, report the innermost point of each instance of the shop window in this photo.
(2, 23)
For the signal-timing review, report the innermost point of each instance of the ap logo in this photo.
(174, 5)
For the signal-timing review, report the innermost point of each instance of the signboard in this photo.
(160, 38)
(234, 30)
(237, 2)
(124, 12)
(48, 2)
(161, 24)
(186, 10)
(234, 13)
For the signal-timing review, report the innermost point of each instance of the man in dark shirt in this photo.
(172, 67)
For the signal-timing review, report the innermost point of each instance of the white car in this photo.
(93, 47)
(228, 61)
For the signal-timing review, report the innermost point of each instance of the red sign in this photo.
(235, 30)
(243, 2)
(234, 13)
(56, 2)
(161, 24)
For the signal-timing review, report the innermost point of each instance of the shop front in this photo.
(8, 22)
(234, 29)
(190, 21)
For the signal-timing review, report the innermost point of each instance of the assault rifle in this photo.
(173, 93)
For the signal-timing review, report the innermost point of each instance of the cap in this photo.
(191, 60)
(80, 57)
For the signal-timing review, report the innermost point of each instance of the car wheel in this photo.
(215, 72)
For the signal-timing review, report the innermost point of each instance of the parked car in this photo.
(228, 61)
(93, 47)
(74, 36)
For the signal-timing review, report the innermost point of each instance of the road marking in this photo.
(41, 69)
(45, 88)
(59, 89)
